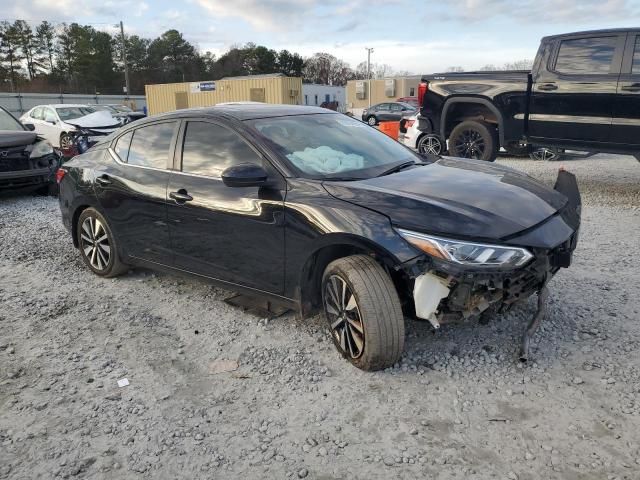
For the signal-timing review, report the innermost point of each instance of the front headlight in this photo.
(468, 253)
(41, 149)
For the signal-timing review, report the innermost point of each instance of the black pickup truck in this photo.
(583, 93)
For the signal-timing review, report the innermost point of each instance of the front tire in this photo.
(371, 120)
(97, 245)
(474, 139)
(363, 311)
(66, 142)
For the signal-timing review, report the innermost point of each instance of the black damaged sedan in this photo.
(319, 212)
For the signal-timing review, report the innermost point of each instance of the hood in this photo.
(10, 138)
(99, 119)
(457, 198)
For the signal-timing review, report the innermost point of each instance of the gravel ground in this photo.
(458, 406)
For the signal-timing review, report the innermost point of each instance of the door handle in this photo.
(547, 87)
(634, 87)
(181, 196)
(103, 180)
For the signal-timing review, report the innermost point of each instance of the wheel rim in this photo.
(344, 317)
(430, 146)
(65, 142)
(94, 242)
(372, 120)
(470, 144)
(544, 154)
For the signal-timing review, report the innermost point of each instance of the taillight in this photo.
(422, 91)
(60, 173)
(409, 123)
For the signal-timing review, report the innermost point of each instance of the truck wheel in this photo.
(474, 139)
(372, 121)
(363, 311)
(430, 145)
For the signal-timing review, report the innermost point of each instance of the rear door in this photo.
(234, 234)
(132, 190)
(572, 96)
(626, 115)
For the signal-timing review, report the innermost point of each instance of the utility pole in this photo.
(369, 52)
(124, 60)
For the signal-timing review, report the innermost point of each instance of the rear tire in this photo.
(97, 245)
(474, 139)
(363, 311)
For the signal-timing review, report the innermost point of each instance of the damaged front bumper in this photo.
(445, 292)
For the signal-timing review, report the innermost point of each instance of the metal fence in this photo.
(18, 103)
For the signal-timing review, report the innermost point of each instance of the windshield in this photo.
(326, 146)
(69, 113)
(8, 122)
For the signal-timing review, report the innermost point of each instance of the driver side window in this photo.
(209, 149)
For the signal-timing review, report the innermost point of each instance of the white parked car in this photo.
(413, 138)
(57, 122)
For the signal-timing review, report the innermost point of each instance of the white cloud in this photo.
(542, 11)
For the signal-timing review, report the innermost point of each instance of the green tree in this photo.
(290, 64)
(28, 44)
(173, 56)
(10, 54)
(46, 35)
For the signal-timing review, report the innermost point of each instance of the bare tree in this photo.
(524, 64)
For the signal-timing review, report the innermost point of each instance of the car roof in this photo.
(242, 111)
(592, 32)
(62, 105)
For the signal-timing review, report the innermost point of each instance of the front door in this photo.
(132, 190)
(572, 96)
(234, 234)
(626, 113)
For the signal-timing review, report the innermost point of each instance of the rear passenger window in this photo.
(37, 113)
(635, 68)
(150, 145)
(209, 149)
(586, 56)
(122, 146)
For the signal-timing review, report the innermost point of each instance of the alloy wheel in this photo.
(544, 154)
(372, 121)
(430, 145)
(470, 144)
(344, 317)
(65, 142)
(94, 242)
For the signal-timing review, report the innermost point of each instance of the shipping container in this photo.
(256, 88)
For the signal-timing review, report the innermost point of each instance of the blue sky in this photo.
(419, 36)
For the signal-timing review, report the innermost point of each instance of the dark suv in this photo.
(387, 112)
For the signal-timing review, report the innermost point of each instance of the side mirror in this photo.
(244, 175)
(29, 126)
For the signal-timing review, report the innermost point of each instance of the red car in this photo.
(413, 101)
